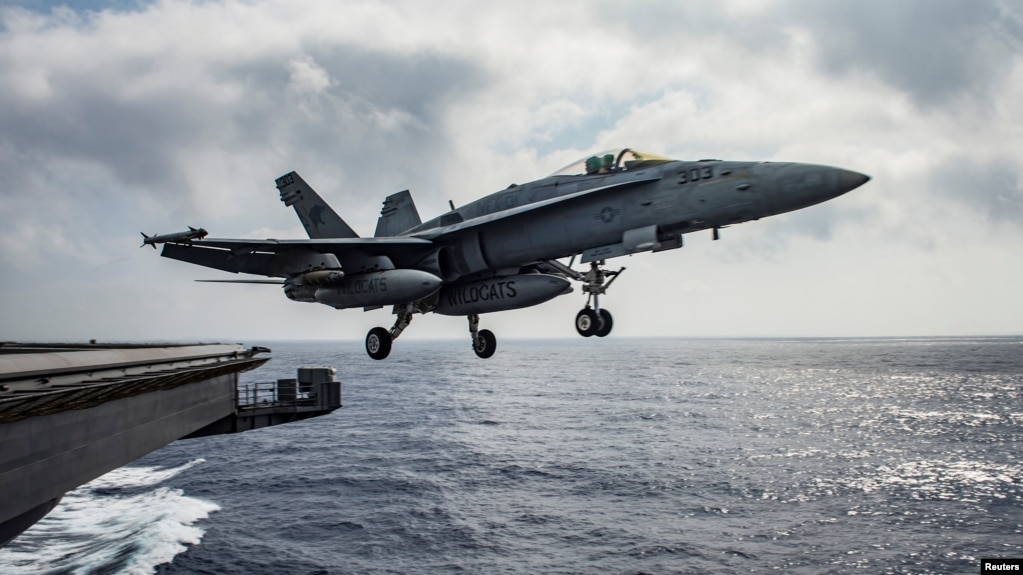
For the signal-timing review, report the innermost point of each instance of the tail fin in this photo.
(319, 219)
(398, 215)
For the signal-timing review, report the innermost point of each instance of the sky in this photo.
(123, 117)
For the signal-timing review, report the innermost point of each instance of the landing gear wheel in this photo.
(485, 344)
(606, 323)
(378, 343)
(586, 322)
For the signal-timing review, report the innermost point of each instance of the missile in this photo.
(185, 237)
(500, 294)
(389, 287)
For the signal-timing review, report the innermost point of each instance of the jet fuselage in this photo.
(663, 202)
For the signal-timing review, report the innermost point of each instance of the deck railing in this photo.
(283, 392)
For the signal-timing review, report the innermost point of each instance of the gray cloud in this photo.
(88, 119)
(992, 189)
(377, 105)
(84, 123)
(157, 128)
(935, 50)
(669, 21)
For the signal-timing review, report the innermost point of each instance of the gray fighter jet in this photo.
(501, 252)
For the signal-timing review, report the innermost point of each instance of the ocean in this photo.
(628, 456)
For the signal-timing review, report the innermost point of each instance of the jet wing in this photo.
(281, 258)
(527, 208)
(332, 245)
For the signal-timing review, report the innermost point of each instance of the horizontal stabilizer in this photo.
(398, 215)
(318, 218)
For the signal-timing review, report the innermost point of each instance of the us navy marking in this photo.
(608, 214)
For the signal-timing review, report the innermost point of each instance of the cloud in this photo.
(24, 245)
(307, 77)
(995, 189)
(938, 51)
(123, 117)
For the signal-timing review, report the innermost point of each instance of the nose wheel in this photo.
(589, 322)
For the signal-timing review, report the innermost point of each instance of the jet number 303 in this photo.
(695, 174)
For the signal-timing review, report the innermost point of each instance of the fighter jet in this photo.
(180, 237)
(503, 251)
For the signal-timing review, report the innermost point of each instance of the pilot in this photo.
(592, 165)
(607, 164)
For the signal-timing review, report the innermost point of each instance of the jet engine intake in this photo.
(500, 294)
(440, 262)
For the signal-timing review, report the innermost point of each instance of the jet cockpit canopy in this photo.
(610, 161)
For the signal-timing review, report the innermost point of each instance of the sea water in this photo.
(585, 456)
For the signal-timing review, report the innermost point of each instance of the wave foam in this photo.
(98, 528)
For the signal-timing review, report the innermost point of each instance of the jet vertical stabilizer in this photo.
(398, 215)
(319, 219)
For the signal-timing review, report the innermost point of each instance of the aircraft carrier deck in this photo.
(71, 412)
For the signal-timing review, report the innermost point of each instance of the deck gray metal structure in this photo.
(70, 413)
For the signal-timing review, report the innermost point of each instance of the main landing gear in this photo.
(378, 340)
(594, 320)
(484, 343)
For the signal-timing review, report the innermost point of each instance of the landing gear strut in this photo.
(595, 320)
(378, 340)
(483, 341)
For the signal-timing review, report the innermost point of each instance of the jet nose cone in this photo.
(849, 180)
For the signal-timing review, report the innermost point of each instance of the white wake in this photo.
(112, 524)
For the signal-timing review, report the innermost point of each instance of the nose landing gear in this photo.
(595, 320)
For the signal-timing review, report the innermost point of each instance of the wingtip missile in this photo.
(177, 237)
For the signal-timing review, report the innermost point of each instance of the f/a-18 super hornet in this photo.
(502, 252)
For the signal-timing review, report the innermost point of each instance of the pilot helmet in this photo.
(609, 161)
(592, 164)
